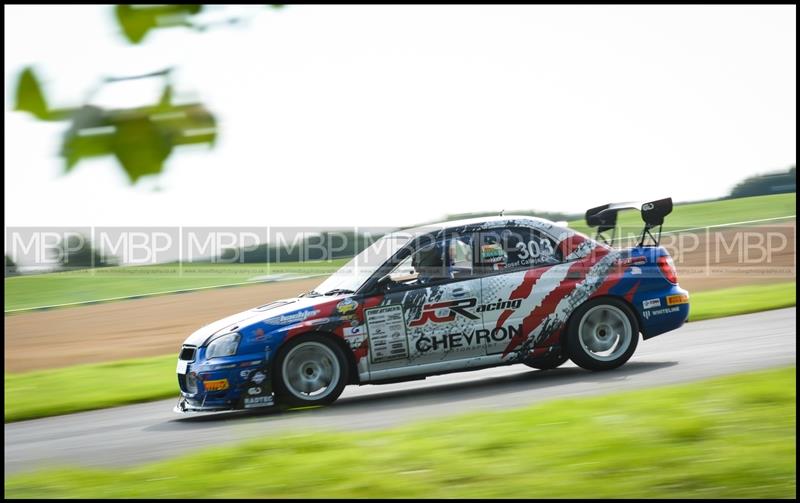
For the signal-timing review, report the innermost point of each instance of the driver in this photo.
(429, 263)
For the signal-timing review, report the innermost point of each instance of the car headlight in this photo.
(224, 345)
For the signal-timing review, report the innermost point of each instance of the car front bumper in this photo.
(239, 382)
(187, 405)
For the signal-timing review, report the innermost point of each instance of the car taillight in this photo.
(667, 268)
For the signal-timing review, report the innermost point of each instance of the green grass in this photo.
(109, 282)
(85, 387)
(741, 300)
(731, 437)
(686, 216)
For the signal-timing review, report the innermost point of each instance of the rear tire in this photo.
(310, 370)
(602, 334)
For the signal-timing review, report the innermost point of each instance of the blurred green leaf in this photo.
(29, 95)
(140, 147)
(141, 138)
(137, 21)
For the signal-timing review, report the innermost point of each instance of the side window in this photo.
(443, 260)
(515, 248)
(460, 256)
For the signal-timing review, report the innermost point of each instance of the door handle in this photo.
(460, 292)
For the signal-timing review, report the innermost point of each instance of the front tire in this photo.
(547, 362)
(310, 370)
(602, 334)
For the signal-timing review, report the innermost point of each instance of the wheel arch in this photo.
(584, 357)
(618, 298)
(352, 367)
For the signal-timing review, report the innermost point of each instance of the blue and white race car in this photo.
(449, 297)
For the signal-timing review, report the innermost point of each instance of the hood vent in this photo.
(273, 305)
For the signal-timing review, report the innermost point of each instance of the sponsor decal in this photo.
(354, 336)
(295, 317)
(216, 385)
(254, 391)
(442, 312)
(346, 306)
(500, 304)
(648, 206)
(258, 334)
(244, 374)
(257, 401)
(258, 377)
(352, 331)
(673, 300)
(630, 261)
(492, 253)
(635, 270)
(651, 303)
(387, 333)
(465, 339)
(659, 312)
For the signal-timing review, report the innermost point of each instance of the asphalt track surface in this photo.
(129, 435)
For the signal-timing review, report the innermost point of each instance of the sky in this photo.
(395, 115)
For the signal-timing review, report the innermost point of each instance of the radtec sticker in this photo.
(257, 401)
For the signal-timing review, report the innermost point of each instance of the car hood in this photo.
(279, 310)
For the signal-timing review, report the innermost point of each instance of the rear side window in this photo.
(515, 248)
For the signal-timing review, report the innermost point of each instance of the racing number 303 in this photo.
(535, 250)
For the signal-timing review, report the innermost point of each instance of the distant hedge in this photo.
(768, 183)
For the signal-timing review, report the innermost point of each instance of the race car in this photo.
(456, 296)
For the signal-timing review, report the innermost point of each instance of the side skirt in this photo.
(414, 372)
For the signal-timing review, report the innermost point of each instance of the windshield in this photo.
(352, 275)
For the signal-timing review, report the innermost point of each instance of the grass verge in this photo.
(731, 437)
(85, 285)
(85, 387)
(741, 300)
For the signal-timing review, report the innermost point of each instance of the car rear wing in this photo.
(653, 213)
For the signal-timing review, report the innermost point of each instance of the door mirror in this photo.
(383, 281)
